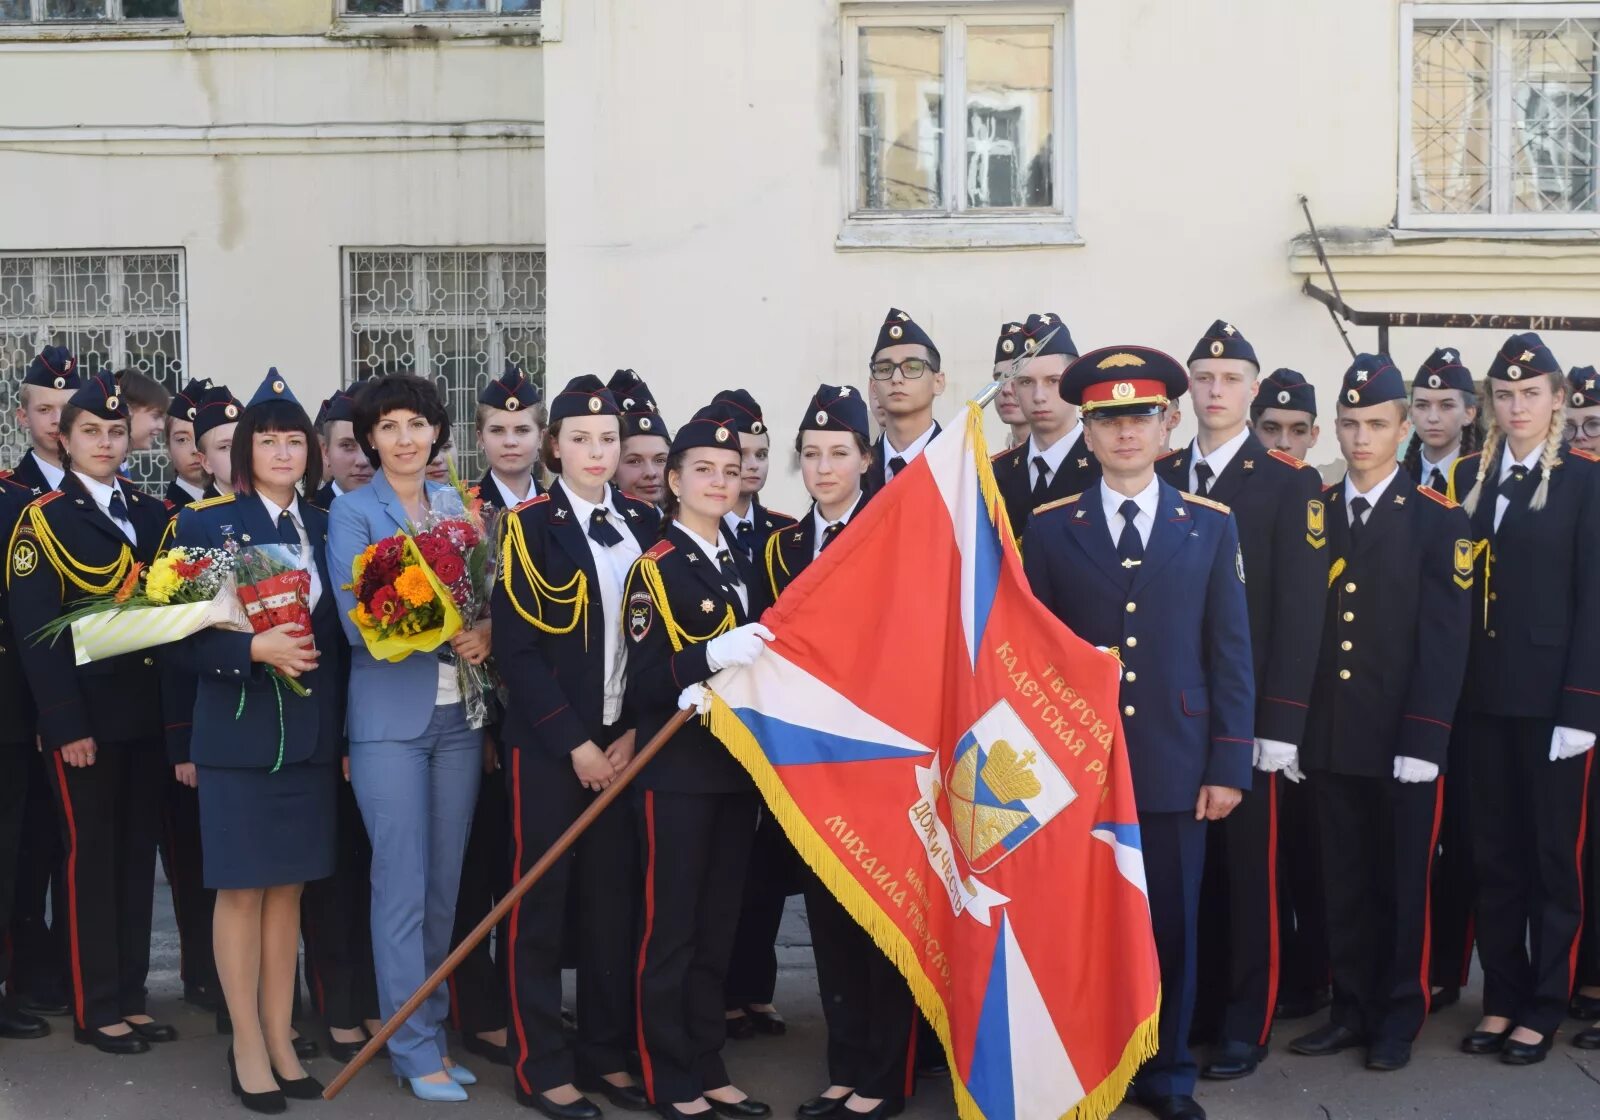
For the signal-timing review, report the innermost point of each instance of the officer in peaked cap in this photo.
(1444, 414)
(48, 384)
(1284, 413)
(906, 378)
(1053, 462)
(642, 470)
(1154, 575)
(1397, 607)
(510, 434)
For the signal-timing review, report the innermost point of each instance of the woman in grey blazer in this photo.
(414, 762)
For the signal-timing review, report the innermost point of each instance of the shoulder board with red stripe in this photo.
(1430, 492)
(998, 455)
(1207, 502)
(783, 517)
(1580, 453)
(1057, 504)
(44, 499)
(531, 502)
(635, 498)
(170, 506)
(1285, 457)
(659, 549)
(1330, 488)
(1174, 451)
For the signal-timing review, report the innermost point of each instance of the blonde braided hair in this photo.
(1548, 461)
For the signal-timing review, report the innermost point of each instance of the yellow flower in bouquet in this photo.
(401, 606)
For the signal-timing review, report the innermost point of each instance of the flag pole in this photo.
(503, 907)
(992, 390)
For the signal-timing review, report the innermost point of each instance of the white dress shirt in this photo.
(1143, 521)
(1053, 456)
(52, 473)
(1372, 496)
(101, 493)
(1501, 501)
(910, 453)
(732, 519)
(308, 556)
(510, 500)
(820, 525)
(1218, 460)
(611, 565)
(710, 551)
(195, 492)
(1443, 466)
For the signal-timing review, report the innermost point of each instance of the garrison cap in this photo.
(899, 329)
(1223, 340)
(217, 407)
(1443, 370)
(1285, 388)
(1039, 336)
(1124, 381)
(1585, 387)
(511, 391)
(186, 401)
(98, 394)
(631, 392)
(585, 395)
(836, 408)
(1371, 379)
(273, 388)
(1523, 355)
(746, 412)
(53, 368)
(715, 425)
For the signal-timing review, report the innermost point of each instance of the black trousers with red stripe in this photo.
(13, 798)
(773, 875)
(871, 1017)
(1589, 943)
(598, 879)
(335, 921)
(696, 848)
(192, 904)
(1529, 817)
(111, 821)
(478, 989)
(1378, 837)
(1239, 927)
(1302, 907)
(1454, 883)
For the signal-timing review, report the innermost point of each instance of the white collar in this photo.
(732, 519)
(700, 542)
(822, 522)
(1220, 457)
(511, 498)
(583, 509)
(1530, 461)
(99, 491)
(913, 449)
(195, 492)
(1056, 453)
(1147, 499)
(337, 489)
(1443, 465)
(52, 473)
(1372, 496)
(275, 511)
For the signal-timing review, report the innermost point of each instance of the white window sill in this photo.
(1570, 235)
(66, 32)
(918, 234)
(516, 28)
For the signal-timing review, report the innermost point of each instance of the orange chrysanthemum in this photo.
(413, 586)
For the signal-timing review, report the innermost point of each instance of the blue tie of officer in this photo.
(288, 532)
(118, 510)
(729, 572)
(1130, 546)
(1358, 516)
(830, 531)
(745, 537)
(601, 530)
(1041, 484)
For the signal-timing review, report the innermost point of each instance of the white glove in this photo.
(696, 697)
(1272, 756)
(739, 646)
(1408, 769)
(1569, 742)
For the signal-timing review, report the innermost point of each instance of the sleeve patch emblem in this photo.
(641, 615)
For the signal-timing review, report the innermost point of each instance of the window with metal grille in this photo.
(89, 11)
(440, 7)
(1502, 116)
(119, 310)
(453, 315)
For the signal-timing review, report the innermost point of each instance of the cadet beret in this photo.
(1523, 355)
(1584, 382)
(186, 401)
(273, 388)
(217, 407)
(1371, 379)
(1223, 340)
(713, 426)
(1123, 381)
(512, 391)
(1285, 388)
(836, 408)
(899, 330)
(53, 368)
(584, 395)
(98, 394)
(746, 412)
(1443, 370)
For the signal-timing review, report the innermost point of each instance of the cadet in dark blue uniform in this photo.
(687, 616)
(1275, 499)
(748, 524)
(1444, 417)
(558, 641)
(1394, 651)
(1155, 574)
(906, 381)
(100, 723)
(189, 476)
(47, 387)
(1283, 414)
(215, 419)
(1053, 462)
(646, 440)
(1532, 697)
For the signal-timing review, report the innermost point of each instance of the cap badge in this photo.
(1123, 390)
(1008, 346)
(191, 412)
(822, 416)
(1283, 396)
(1353, 397)
(904, 318)
(722, 435)
(1030, 344)
(1577, 400)
(61, 383)
(896, 331)
(230, 411)
(1227, 329)
(1216, 349)
(512, 404)
(1449, 357)
(1119, 360)
(644, 423)
(594, 404)
(757, 427)
(1514, 372)
(277, 386)
(111, 401)
(627, 403)
(1433, 381)
(1527, 356)
(1361, 377)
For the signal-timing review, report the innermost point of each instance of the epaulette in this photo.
(1170, 454)
(1285, 457)
(167, 502)
(1582, 454)
(207, 503)
(1207, 502)
(998, 455)
(1430, 492)
(44, 499)
(659, 549)
(533, 501)
(635, 498)
(782, 517)
(1067, 501)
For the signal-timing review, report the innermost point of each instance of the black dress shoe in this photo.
(497, 1055)
(629, 1098)
(581, 1109)
(1586, 1008)
(154, 1032)
(889, 1106)
(1173, 1107)
(201, 996)
(1485, 1042)
(1587, 1039)
(740, 1027)
(48, 1006)
(345, 1051)
(1233, 1061)
(20, 1025)
(269, 1103)
(770, 1022)
(1330, 1039)
(1526, 1053)
(1388, 1056)
(819, 1106)
(111, 1043)
(306, 1088)
(305, 1048)
(1442, 998)
(748, 1108)
(1302, 1006)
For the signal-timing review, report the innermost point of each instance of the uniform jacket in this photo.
(1276, 503)
(880, 456)
(674, 605)
(1014, 475)
(1179, 623)
(236, 706)
(28, 473)
(549, 640)
(1397, 615)
(489, 491)
(114, 700)
(752, 565)
(17, 725)
(790, 552)
(1535, 641)
(177, 497)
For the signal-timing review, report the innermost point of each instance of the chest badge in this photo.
(707, 606)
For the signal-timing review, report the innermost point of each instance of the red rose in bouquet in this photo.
(449, 568)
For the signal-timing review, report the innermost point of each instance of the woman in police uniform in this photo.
(1532, 696)
(100, 723)
(687, 616)
(557, 615)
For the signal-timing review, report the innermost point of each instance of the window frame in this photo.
(955, 226)
(411, 11)
(114, 18)
(1407, 215)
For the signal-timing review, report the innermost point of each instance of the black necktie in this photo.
(1130, 548)
(896, 465)
(745, 536)
(830, 531)
(287, 532)
(729, 571)
(119, 512)
(1437, 481)
(1358, 516)
(1518, 473)
(1203, 475)
(601, 531)
(1040, 483)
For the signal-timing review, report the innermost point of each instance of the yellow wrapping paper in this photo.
(398, 647)
(114, 632)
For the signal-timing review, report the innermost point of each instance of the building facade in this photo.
(733, 192)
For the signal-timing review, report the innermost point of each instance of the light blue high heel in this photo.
(460, 1074)
(434, 1090)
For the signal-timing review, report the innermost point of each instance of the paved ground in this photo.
(56, 1078)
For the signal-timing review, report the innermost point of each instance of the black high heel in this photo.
(305, 1088)
(270, 1103)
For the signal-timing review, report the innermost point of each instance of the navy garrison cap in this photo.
(1223, 340)
(53, 368)
(273, 388)
(98, 395)
(715, 425)
(899, 329)
(1523, 355)
(1371, 379)
(836, 408)
(1285, 388)
(217, 407)
(585, 395)
(511, 391)
(1585, 387)
(746, 412)
(1443, 370)
(186, 401)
